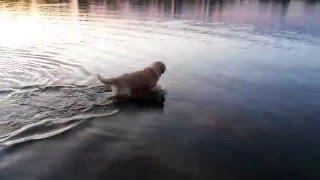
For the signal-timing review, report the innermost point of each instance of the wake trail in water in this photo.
(33, 131)
(39, 136)
(35, 113)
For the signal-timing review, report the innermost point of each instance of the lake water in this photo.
(242, 89)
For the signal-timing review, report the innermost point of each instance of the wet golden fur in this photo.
(126, 84)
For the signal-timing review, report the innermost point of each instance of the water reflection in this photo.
(264, 13)
(202, 9)
(242, 80)
(153, 99)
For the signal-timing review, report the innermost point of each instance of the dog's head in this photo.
(159, 66)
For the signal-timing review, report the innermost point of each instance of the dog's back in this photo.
(142, 79)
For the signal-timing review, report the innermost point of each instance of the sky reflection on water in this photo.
(243, 89)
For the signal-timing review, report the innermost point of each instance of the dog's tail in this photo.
(108, 81)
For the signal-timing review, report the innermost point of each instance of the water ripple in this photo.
(42, 112)
(47, 128)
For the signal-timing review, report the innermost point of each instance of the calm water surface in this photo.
(243, 89)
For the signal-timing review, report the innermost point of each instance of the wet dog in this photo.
(129, 84)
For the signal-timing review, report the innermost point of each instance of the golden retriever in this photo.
(126, 84)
